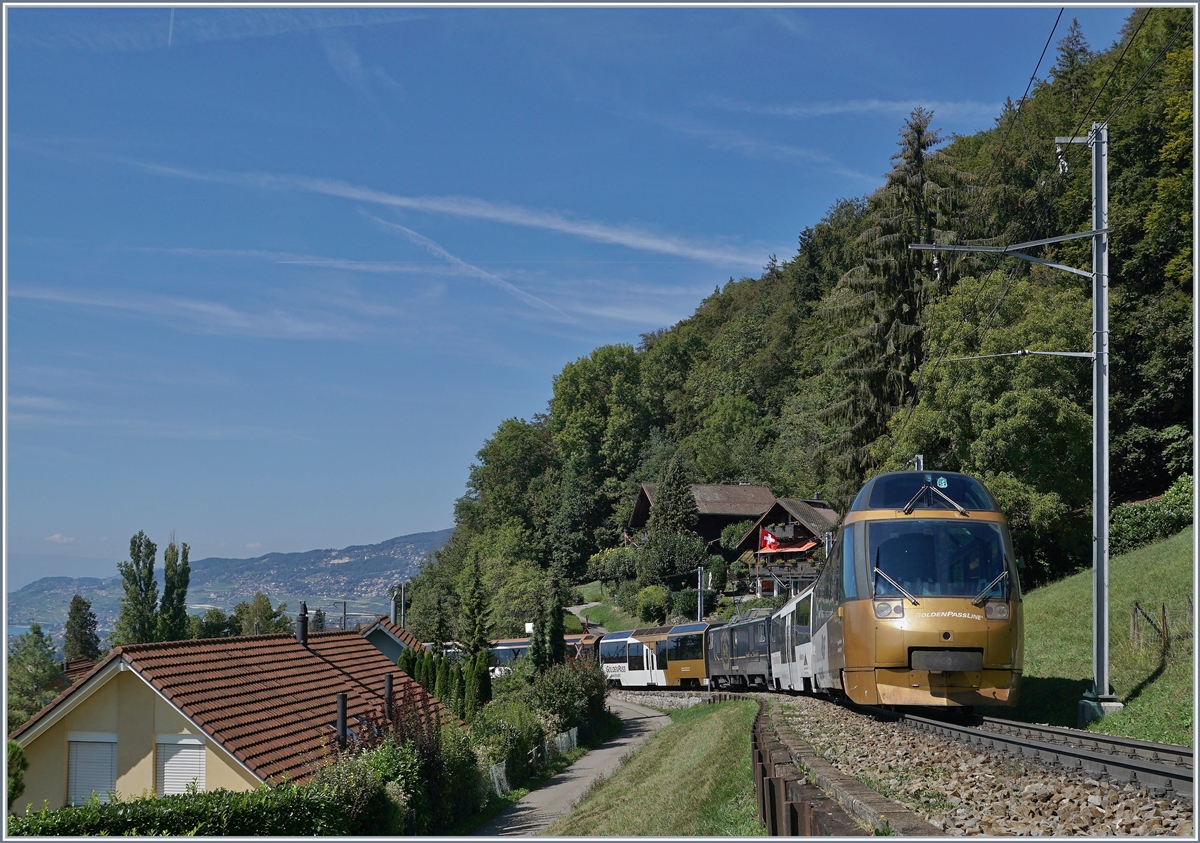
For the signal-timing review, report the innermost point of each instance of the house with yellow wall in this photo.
(226, 713)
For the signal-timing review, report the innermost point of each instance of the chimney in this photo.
(392, 608)
(341, 719)
(302, 625)
(387, 695)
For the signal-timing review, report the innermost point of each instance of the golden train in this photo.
(918, 604)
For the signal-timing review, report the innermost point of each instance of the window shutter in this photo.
(91, 768)
(178, 765)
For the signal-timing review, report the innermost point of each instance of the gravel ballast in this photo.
(964, 789)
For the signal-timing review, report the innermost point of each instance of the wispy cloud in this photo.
(349, 67)
(205, 316)
(109, 30)
(430, 267)
(959, 109)
(752, 146)
(465, 268)
(36, 402)
(144, 428)
(465, 206)
(59, 538)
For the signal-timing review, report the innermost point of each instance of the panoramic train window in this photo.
(802, 612)
(660, 654)
(637, 656)
(937, 558)
(894, 491)
(612, 652)
(684, 647)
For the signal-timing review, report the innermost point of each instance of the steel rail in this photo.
(1117, 765)
(1166, 753)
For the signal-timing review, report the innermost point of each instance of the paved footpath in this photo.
(558, 796)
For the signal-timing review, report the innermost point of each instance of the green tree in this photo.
(556, 647)
(213, 624)
(674, 509)
(80, 640)
(317, 623)
(538, 654)
(17, 765)
(882, 320)
(137, 619)
(669, 555)
(474, 603)
(441, 685)
(33, 675)
(256, 617)
(483, 679)
(172, 609)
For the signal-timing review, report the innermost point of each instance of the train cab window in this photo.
(938, 558)
(637, 656)
(741, 641)
(613, 652)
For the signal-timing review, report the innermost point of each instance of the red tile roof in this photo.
(266, 699)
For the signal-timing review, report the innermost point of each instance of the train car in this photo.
(919, 603)
(790, 644)
(656, 657)
(504, 651)
(738, 657)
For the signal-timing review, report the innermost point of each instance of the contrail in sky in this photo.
(171, 26)
(471, 207)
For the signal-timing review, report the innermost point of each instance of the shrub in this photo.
(683, 603)
(505, 731)
(1134, 525)
(568, 694)
(282, 811)
(626, 597)
(652, 604)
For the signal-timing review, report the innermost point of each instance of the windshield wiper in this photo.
(912, 504)
(899, 587)
(978, 599)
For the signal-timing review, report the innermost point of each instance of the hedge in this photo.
(1135, 525)
(280, 811)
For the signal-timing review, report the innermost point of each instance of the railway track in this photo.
(1160, 768)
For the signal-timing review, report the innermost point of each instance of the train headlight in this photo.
(889, 610)
(996, 611)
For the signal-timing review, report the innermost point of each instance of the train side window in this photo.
(803, 610)
(637, 656)
(660, 654)
(848, 590)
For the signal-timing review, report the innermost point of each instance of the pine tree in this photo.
(33, 675)
(172, 609)
(137, 619)
(470, 689)
(80, 640)
(674, 509)
(882, 319)
(317, 623)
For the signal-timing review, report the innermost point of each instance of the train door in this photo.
(636, 674)
(802, 668)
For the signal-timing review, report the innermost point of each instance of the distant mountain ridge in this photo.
(360, 575)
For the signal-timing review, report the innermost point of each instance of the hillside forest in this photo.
(835, 363)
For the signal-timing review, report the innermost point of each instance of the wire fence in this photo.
(1166, 625)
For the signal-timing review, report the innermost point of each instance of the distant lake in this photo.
(14, 631)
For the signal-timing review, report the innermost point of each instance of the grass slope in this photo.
(1157, 690)
(691, 779)
(611, 618)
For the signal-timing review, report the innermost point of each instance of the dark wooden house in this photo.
(718, 505)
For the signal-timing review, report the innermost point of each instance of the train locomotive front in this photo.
(919, 603)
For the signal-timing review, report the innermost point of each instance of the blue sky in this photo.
(273, 276)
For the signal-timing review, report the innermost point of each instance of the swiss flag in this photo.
(766, 541)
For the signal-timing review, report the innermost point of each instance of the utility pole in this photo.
(403, 585)
(699, 594)
(1098, 701)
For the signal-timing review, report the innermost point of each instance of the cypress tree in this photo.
(137, 619)
(475, 610)
(537, 642)
(470, 689)
(441, 687)
(556, 649)
(483, 679)
(81, 640)
(460, 690)
(172, 609)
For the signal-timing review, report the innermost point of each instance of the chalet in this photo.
(782, 543)
(221, 712)
(718, 507)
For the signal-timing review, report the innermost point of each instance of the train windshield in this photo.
(937, 558)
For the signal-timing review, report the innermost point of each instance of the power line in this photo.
(1111, 71)
(1149, 67)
